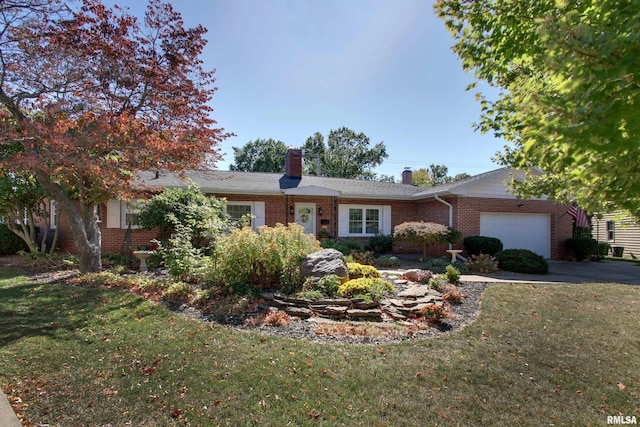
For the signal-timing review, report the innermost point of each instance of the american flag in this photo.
(580, 216)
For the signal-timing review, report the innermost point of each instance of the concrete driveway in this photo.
(571, 272)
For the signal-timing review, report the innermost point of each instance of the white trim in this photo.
(257, 210)
(53, 213)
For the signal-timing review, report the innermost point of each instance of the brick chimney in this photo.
(293, 163)
(407, 176)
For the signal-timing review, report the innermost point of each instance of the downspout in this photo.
(450, 213)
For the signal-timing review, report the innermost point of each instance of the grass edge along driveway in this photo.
(538, 355)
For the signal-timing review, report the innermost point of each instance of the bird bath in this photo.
(143, 256)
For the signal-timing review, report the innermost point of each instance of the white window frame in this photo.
(384, 220)
(611, 231)
(257, 212)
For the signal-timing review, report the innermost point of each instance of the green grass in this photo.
(546, 355)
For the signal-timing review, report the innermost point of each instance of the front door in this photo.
(306, 217)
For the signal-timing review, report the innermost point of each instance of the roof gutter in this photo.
(450, 211)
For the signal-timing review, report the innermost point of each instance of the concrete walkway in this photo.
(8, 418)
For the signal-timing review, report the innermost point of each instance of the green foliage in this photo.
(311, 295)
(435, 175)
(261, 155)
(357, 270)
(380, 244)
(439, 265)
(10, 243)
(452, 274)
(482, 263)
(370, 289)
(387, 261)
(203, 217)
(346, 246)
(178, 291)
(326, 285)
(345, 155)
(476, 245)
(603, 251)
(581, 248)
(522, 261)
(268, 259)
(425, 233)
(181, 258)
(567, 74)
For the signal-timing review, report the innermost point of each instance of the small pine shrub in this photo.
(454, 297)
(357, 271)
(366, 257)
(439, 265)
(433, 313)
(436, 284)
(603, 251)
(328, 284)
(452, 274)
(380, 244)
(476, 245)
(387, 261)
(310, 295)
(522, 261)
(371, 289)
(581, 248)
(483, 263)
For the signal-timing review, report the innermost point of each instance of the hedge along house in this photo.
(358, 209)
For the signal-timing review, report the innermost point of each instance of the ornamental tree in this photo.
(425, 233)
(92, 96)
(569, 79)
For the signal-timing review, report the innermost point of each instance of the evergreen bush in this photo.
(581, 248)
(476, 245)
(522, 261)
(10, 243)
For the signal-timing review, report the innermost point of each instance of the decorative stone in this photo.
(298, 312)
(332, 301)
(366, 305)
(411, 275)
(373, 314)
(417, 291)
(400, 282)
(332, 310)
(323, 263)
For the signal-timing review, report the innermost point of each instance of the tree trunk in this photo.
(83, 221)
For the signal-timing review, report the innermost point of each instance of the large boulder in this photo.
(323, 263)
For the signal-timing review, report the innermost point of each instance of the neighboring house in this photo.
(350, 208)
(619, 231)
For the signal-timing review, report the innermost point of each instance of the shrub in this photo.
(310, 295)
(363, 257)
(180, 257)
(483, 263)
(269, 259)
(178, 291)
(476, 245)
(371, 289)
(454, 297)
(425, 233)
(346, 246)
(452, 274)
(10, 243)
(326, 285)
(433, 313)
(581, 248)
(439, 265)
(380, 244)
(387, 261)
(357, 271)
(603, 251)
(522, 261)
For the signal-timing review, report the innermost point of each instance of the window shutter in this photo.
(113, 214)
(258, 211)
(386, 220)
(343, 220)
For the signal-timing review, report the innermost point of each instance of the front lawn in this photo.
(538, 355)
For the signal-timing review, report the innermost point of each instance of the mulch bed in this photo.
(323, 331)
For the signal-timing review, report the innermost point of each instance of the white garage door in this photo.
(519, 231)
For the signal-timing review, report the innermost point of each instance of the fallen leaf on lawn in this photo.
(621, 386)
(579, 392)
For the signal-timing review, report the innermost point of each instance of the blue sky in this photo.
(289, 68)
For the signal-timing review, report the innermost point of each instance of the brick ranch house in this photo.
(358, 209)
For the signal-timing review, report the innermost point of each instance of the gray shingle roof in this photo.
(233, 182)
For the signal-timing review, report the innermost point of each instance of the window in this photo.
(53, 214)
(129, 215)
(238, 212)
(363, 220)
(611, 231)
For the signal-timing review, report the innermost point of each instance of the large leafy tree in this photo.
(93, 96)
(569, 80)
(435, 175)
(346, 154)
(261, 155)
